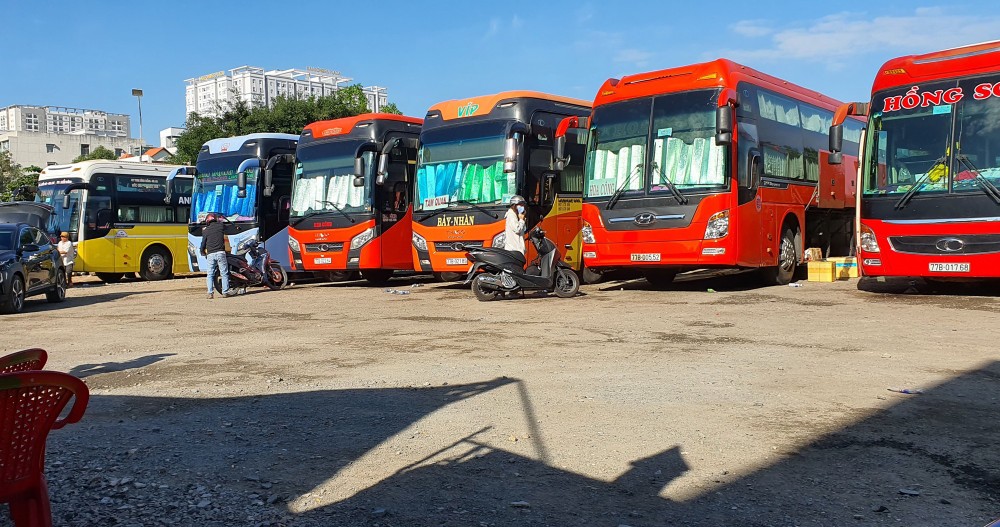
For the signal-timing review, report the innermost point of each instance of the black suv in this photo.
(29, 265)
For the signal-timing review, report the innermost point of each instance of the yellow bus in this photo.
(120, 216)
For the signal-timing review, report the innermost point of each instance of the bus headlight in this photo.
(360, 240)
(419, 242)
(587, 233)
(192, 250)
(293, 244)
(498, 240)
(718, 226)
(868, 241)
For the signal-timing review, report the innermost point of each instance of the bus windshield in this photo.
(937, 148)
(681, 129)
(62, 220)
(215, 190)
(324, 179)
(463, 164)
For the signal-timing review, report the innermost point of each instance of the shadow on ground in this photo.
(86, 370)
(927, 459)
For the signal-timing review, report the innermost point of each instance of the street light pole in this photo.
(138, 94)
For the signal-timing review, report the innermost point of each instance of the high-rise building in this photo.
(258, 87)
(55, 135)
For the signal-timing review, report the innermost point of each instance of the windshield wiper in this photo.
(318, 212)
(916, 186)
(988, 187)
(678, 195)
(621, 190)
(460, 202)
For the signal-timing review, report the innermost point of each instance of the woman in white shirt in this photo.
(68, 253)
(513, 234)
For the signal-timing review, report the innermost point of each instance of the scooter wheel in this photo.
(483, 294)
(567, 283)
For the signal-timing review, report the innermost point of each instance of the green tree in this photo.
(16, 182)
(391, 108)
(286, 115)
(98, 153)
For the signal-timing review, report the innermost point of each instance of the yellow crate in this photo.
(847, 266)
(822, 271)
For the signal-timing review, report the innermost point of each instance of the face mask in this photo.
(520, 209)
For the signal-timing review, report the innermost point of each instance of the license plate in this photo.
(322, 260)
(457, 261)
(959, 267)
(645, 257)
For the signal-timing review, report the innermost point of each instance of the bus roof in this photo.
(84, 169)
(346, 125)
(462, 108)
(720, 73)
(232, 144)
(956, 62)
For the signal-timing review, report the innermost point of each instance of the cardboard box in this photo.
(822, 271)
(813, 254)
(847, 267)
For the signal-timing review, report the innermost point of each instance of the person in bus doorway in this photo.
(68, 254)
(513, 234)
(213, 248)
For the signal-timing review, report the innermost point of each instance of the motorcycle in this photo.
(496, 272)
(260, 270)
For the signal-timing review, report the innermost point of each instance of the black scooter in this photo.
(260, 270)
(496, 271)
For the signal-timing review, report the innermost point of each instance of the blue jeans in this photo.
(218, 260)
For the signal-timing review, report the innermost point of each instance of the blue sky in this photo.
(68, 53)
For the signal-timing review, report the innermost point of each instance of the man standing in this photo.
(68, 253)
(213, 247)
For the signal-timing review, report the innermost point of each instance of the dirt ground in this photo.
(715, 402)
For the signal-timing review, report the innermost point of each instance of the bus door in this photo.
(750, 209)
(392, 201)
(273, 212)
(99, 251)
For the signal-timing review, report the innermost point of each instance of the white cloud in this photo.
(838, 37)
(751, 28)
(633, 56)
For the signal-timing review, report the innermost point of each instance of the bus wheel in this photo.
(449, 276)
(338, 276)
(156, 265)
(787, 261)
(660, 278)
(377, 276)
(110, 278)
(591, 276)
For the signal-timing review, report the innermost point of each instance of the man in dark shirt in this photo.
(213, 247)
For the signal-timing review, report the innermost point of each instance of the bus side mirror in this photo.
(359, 171)
(558, 151)
(836, 144)
(169, 191)
(65, 203)
(724, 125)
(241, 185)
(756, 169)
(510, 155)
(383, 169)
(268, 177)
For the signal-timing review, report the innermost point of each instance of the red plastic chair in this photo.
(30, 404)
(24, 360)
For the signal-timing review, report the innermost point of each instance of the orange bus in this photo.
(929, 204)
(351, 196)
(711, 165)
(475, 154)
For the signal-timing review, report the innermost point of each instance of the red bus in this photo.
(711, 165)
(475, 154)
(352, 193)
(929, 205)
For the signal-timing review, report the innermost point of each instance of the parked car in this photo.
(29, 265)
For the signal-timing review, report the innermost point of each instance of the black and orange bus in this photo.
(929, 204)
(352, 196)
(475, 154)
(711, 165)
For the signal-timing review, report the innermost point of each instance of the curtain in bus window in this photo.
(223, 198)
(342, 192)
(468, 182)
(778, 109)
(680, 163)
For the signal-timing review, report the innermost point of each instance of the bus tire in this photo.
(660, 278)
(591, 276)
(337, 276)
(156, 264)
(58, 292)
(377, 276)
(110, 278)
(449, 276)
(788, 261)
